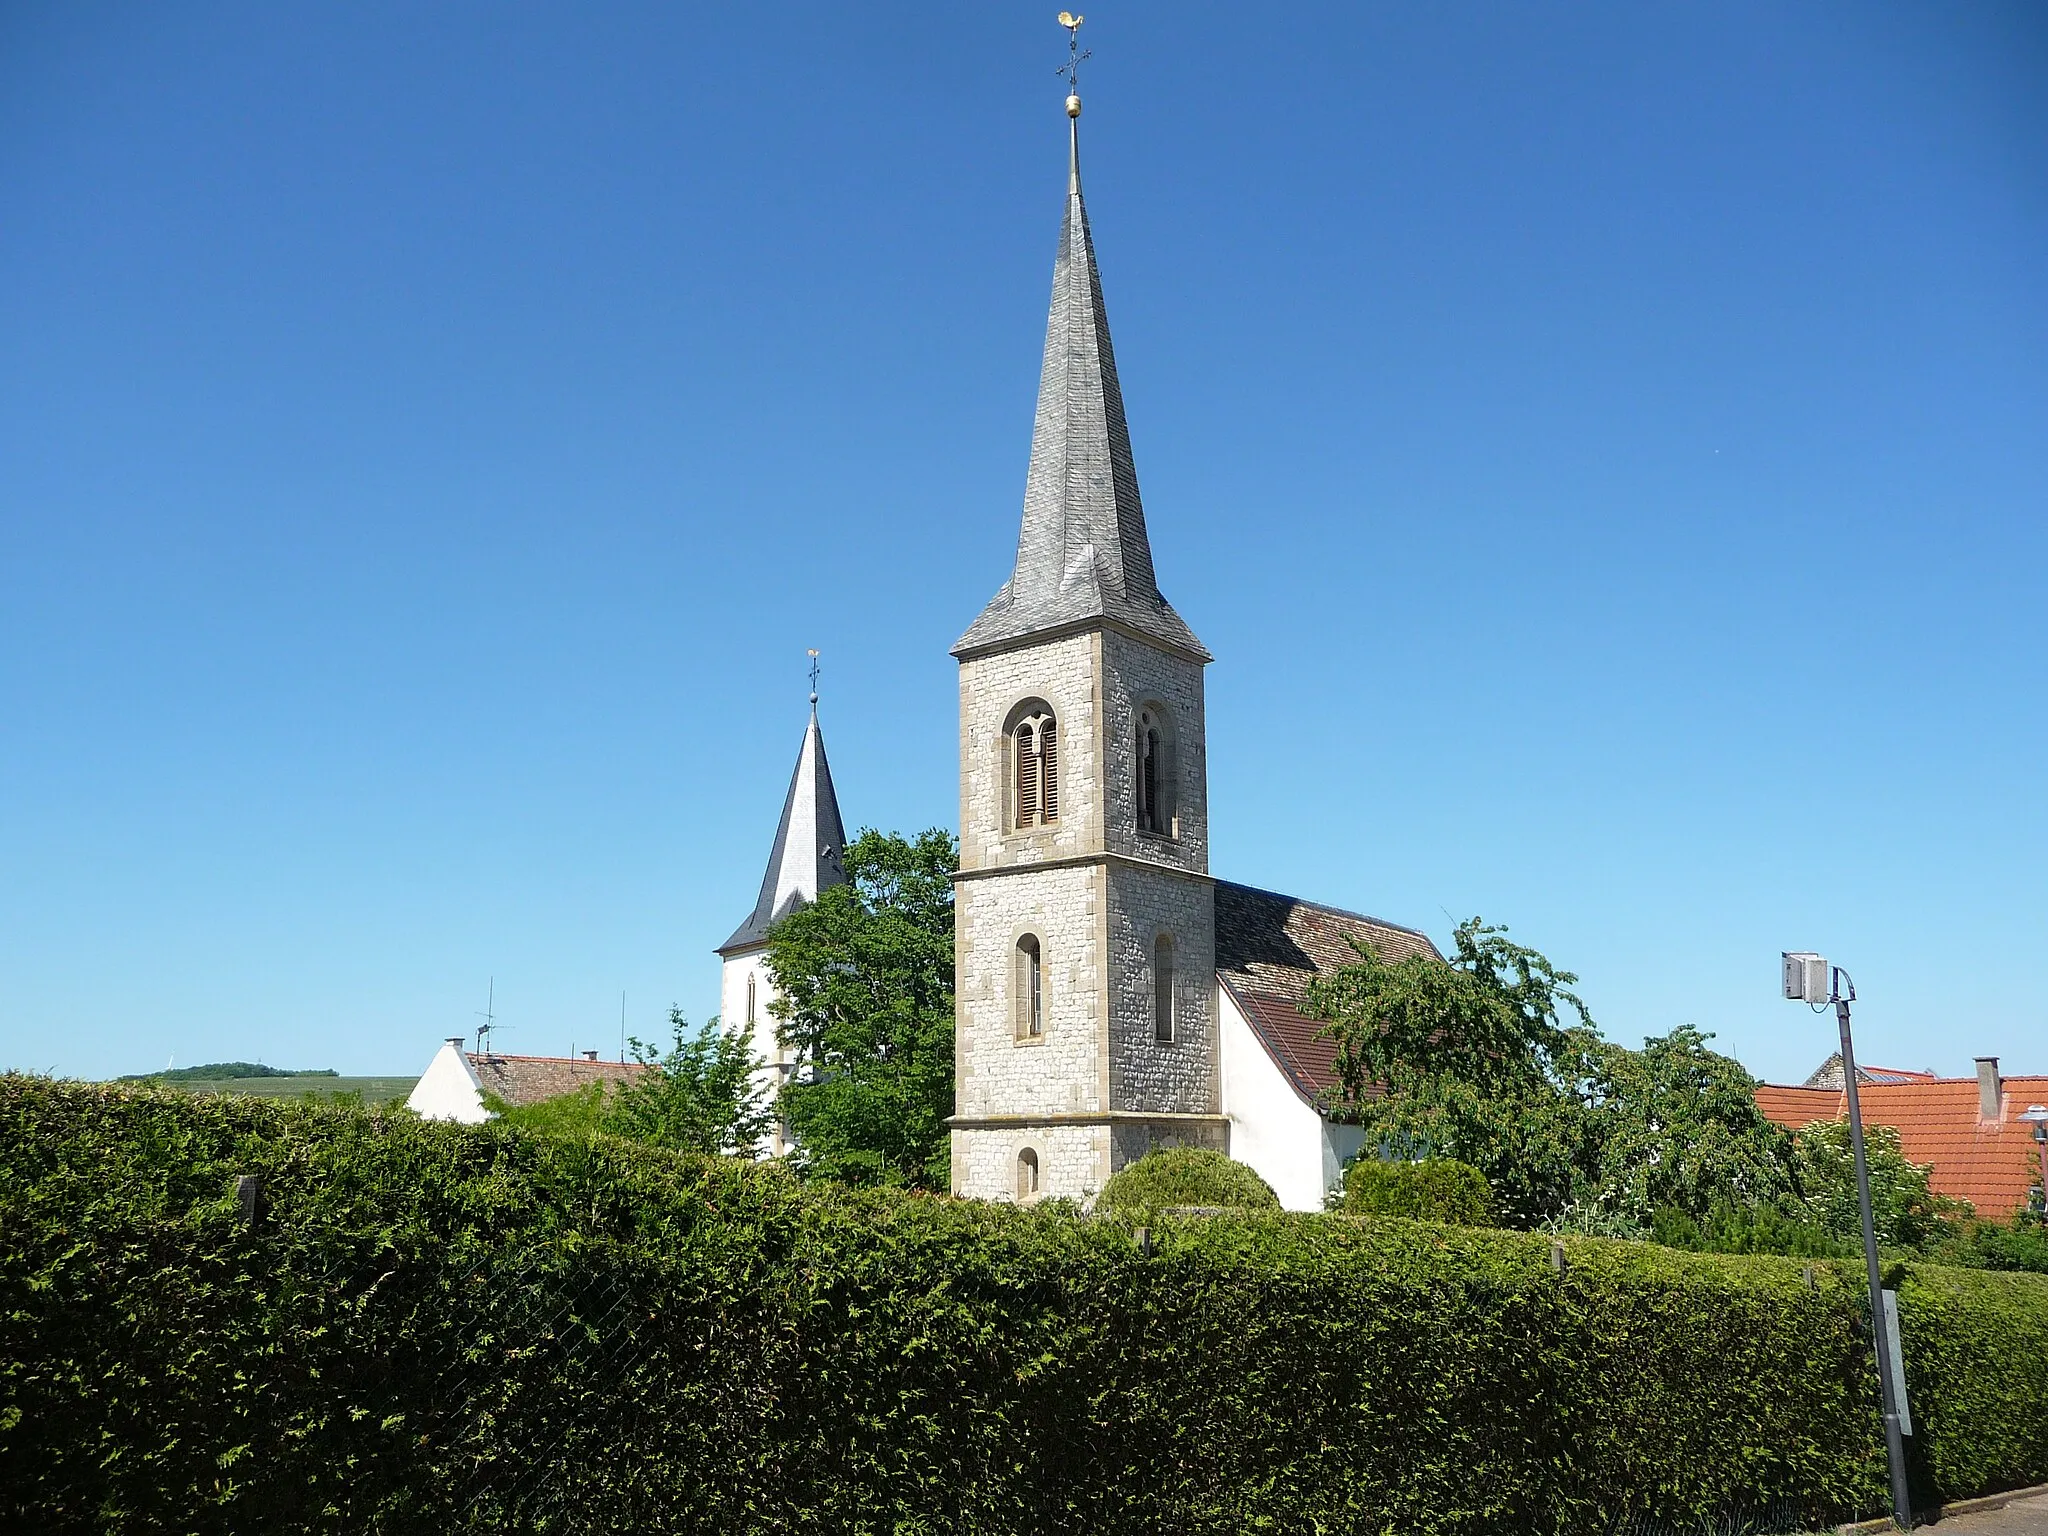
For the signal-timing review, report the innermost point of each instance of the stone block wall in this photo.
(1066, 674)
(1145, 1075)
(1135, 675)
(1073, 1160)
(1064, 1070)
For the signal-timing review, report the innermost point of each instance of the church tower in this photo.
(1086, 1025)
(810, 844)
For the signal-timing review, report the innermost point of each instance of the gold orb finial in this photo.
(1073, 106)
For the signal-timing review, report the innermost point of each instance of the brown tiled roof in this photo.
(1990, 1163)
(1270, 947)
(529, 1079)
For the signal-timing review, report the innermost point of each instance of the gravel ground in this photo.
(2022, 1517)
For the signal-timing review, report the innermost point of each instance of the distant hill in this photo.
(223, 1071)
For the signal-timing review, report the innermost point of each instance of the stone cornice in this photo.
(1085, 626)
(1091, 1117)
(1080, 861)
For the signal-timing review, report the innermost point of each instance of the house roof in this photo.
(1269, 947)
(1083, 556)
(1990, 1163)
(810, 843)
(529, 1079)
(1829, 1074)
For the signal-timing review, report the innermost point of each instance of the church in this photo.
(1112, 995)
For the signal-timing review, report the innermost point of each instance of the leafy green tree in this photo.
(865, 982)
(703, 1094)
(1475, 1059)
(1436, 1189)
(567, 1114)
(1905, 1211)
(1677, 1125)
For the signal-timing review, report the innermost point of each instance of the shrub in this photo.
(1184, 1176)
(1438, 1189)
(2021, 1243)
(432, 1329)
(1749, 1229)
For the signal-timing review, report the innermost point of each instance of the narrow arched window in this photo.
(1027, 1174)
(750, 1000)
(1029, 990)
(1153, 768)
(1034, 765)
(1162, 989)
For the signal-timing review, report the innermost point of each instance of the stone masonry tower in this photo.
(1086, 1031)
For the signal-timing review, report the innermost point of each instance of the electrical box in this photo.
(1806, 978)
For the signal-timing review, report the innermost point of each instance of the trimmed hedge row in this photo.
(435, 1329)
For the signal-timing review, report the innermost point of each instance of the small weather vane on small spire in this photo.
(1075, 54)
(814, 677)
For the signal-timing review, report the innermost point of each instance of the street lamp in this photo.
(1810, 979)
(2038, 1114)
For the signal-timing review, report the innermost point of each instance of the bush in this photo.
(1438, 1189)
(1749, 1229)
(432, 1329)
(1184, 1176)
(2021, 1243)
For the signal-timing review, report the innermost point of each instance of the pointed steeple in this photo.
(809, 844)
(1082, 555)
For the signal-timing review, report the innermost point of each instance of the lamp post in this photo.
(2038, 1114)
(1810, 979)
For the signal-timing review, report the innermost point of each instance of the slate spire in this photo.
(809, 844)
(1082, 554)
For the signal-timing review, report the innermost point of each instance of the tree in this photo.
(1676, 1125)
(702, 1095)
(864, 977)
(1905, 1211)
(1473, 1059)
(1493, 1060)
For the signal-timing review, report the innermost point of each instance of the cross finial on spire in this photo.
(1071, 70)
(814, 677)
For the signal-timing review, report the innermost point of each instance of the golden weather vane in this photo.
(1075, 54)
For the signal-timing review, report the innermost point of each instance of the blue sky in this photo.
(1605, 446)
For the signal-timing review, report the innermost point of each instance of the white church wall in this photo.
(1272, 1128)
(745, 990)
(449, 1089)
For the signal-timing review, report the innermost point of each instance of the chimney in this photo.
(590, 1055)
(1989, 1090)
(456, 1040)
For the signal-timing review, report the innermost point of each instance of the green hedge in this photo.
(438, 1329)
(1436, 1189)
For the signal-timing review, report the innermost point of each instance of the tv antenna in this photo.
(490, 1019)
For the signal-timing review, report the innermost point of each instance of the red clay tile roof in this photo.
(1269, 947)
(1991, 1164)
(529, 1079)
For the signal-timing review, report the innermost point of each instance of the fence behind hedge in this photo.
(438, 1329)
